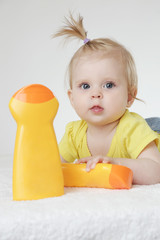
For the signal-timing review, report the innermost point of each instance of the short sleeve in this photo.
(138, 135)
(67, 148)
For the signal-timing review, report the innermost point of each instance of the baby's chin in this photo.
(102, 122)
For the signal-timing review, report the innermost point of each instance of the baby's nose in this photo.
(97, 94)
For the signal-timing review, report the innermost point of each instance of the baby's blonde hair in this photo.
(75, 29)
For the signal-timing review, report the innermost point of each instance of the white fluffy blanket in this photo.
(80, 214)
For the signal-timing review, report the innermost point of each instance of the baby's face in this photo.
(99, 91)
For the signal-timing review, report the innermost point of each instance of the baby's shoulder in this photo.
(132, 118)
(76, 127)
(131, 121)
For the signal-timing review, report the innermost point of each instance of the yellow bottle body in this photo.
(37, 171)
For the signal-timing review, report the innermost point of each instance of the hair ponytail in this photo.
(72, 28)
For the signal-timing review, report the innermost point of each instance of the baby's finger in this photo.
(83, 160)
(107, 160)
(91, 165)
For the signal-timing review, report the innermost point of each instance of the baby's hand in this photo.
(92, 161)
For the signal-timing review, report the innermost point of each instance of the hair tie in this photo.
(86, 40)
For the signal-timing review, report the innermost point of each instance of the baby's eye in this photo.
(85, 86)
(109, 85)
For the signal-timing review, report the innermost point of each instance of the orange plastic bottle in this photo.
(104, 175)
(37, 171)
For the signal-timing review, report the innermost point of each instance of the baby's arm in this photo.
(146, 168)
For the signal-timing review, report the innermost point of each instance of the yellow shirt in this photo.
(132, 135)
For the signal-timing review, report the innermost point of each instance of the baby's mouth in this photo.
(96, 109)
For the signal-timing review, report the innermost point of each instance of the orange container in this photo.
(102, 176)
(37, 171)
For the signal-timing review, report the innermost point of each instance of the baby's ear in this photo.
(132, 93)
(70, 95)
